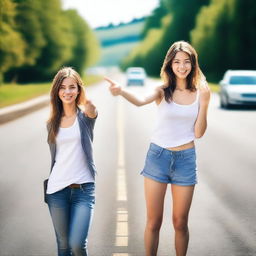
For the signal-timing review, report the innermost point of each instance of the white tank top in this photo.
(70, 162)
(175, 123)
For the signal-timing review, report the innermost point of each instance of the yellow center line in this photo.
(122, 231)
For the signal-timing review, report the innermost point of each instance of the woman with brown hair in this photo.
(70, 193)
(182, 103)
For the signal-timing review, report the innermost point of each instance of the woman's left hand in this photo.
(90, 109)
(205, 94)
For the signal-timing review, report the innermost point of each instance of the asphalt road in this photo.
(222, 218)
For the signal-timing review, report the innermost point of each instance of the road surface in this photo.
(222, 218)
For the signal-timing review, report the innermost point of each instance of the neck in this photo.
(181, 84)
(69, 110)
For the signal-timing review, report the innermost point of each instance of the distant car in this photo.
(135, 76)
(238, 87)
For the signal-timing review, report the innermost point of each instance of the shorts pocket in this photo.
(155, 150)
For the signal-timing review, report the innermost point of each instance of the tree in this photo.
(154, 20)
(175, 25)
(30, 26)
(225, 36)
(85, 50)
(12, 45)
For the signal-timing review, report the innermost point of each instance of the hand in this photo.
(90, 109)
(114, 88)
(205, 93)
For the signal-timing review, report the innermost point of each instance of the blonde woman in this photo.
(70, 193)
(182, 103)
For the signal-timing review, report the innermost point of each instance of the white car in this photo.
(135, 76)
(238, 87)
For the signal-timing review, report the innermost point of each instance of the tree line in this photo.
(38, 37)
(222, 31)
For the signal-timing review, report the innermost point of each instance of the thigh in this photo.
(185, 171)
(154, 195)
(81, 214)
(59, 209)
(182, 198)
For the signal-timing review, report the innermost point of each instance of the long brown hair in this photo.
(56, 113)
(194, 77)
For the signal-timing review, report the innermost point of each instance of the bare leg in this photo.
(182, 198)
(154, 194)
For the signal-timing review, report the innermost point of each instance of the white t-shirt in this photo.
(70, 162)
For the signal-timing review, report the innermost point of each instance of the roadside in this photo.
(17, 110)
(12, 112)
(27, 103)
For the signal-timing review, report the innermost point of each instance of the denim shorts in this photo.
(167, 166)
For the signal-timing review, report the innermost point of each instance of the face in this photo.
(68, 91)
(181, 65)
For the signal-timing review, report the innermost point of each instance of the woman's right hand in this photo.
(114, 88)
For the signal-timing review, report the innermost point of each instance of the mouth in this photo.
(182, 72)
(67, 97)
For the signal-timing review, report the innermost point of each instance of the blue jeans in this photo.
(71, 211)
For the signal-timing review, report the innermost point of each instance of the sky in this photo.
(102, 12)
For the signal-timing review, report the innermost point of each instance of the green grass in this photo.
(214, 87)
(15, 93)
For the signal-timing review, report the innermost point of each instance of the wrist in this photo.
(121, 92)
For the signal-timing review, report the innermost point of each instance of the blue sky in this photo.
(102, 12)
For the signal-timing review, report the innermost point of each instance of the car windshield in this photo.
(135, 72)
(250, 80)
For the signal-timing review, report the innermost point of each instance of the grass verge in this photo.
(15, 93)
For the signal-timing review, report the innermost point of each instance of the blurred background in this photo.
(38, 37)
(127, 41)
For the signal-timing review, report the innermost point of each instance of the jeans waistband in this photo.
(173, 152)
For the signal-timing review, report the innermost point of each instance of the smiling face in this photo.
(181, 65)
(68, 91)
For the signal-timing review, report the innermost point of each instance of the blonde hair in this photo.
(56, 104)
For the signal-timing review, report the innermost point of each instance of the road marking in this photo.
(121, 254)
(122, 213)
(121, 178)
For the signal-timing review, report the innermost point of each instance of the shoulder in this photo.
(203, 87)
(160, 90)
(160, 93)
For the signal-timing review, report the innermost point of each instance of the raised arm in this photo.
(116, 90)
(90, 109)
(201, 122)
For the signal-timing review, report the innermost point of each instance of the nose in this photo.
(182, 65)
(67, 90)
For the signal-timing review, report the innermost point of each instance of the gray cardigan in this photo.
(86, 125)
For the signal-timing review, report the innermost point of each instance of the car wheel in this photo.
(224, 101)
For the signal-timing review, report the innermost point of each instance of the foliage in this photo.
(174, 26)
(85, 49)
(12, 45)
(38, 38)
(227, 38)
